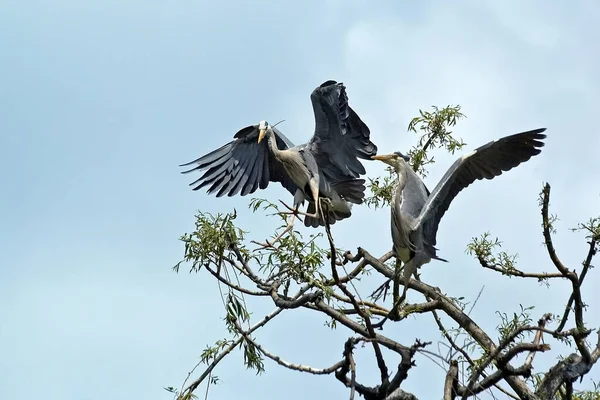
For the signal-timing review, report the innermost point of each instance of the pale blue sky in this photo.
(101, 100)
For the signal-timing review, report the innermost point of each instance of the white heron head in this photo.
(263, 127)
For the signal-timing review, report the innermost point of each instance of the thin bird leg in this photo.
(290, 225)
(409, 270)
(314, 188)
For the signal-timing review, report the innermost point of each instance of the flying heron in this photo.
(323, 170)
(416, 213)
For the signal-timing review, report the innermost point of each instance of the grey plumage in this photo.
(416, 213)
(326, 167)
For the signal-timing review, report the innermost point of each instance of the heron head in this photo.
(394, 159)
(263, 127)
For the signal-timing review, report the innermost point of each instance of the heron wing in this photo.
(341, 137)
(242, 165)
(487, 161)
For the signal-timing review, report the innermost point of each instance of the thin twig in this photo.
(586, 266)
(286, 364)
(378, 354)
(233, 286)
(517, 272)
(194, 385)
(459, 316)
(571, 275)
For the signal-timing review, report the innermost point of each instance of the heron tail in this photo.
(352, 190)
(332, 215)
(432, 252)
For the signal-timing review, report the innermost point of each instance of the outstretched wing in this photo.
(341, 137)
(242, 165)
(488, 161)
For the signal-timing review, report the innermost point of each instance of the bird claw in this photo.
(295, 212)
(292, 211)
(270, 245)
(326, 201)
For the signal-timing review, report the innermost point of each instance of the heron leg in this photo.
(314, 188)
(288, 228)
(271, 243)
(410, 268)
(298, 199)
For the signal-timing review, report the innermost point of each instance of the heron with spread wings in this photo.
(416, 213)
(325, 170)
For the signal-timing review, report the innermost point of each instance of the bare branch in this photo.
(567, 370)
(348, 365)
(451, 382)
(406, 363)
(493, 379)
(502, 360)
(571, 275)
(478, 334)
(374, 307)
(352, 311)
(283, 363)
(378, 355)
(234, 286)
(517, 272)
(356, 327)
(296, 302)
(538, 338)
(358, 269)
(586, 266)
(194, 385)
(547, 225)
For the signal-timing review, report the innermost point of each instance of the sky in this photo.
(100, 101)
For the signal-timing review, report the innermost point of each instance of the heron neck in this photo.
(402, 174)
(400, 181)
(273, 145)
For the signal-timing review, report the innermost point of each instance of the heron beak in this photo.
(261, 134)
(383, 158)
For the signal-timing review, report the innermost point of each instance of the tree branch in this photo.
(296, 302)
(283, 363)
(517, 272)
(518, 385)
(451, 383)
(348, 365)
(586, 266)
(566, 371)
(571, 275)
(356, 327)
(378, 355)
(184, 394)
(232, 285)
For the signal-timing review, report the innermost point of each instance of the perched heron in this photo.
(324, 169)
(416, 213)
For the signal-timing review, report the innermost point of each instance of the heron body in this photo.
(325, 169)
(303, 169)
(404, 212)
(416, 213)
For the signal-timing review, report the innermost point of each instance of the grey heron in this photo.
(326, 168)
(416, 213)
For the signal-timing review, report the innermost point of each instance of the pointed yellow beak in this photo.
(383, 158)
(261, 134)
